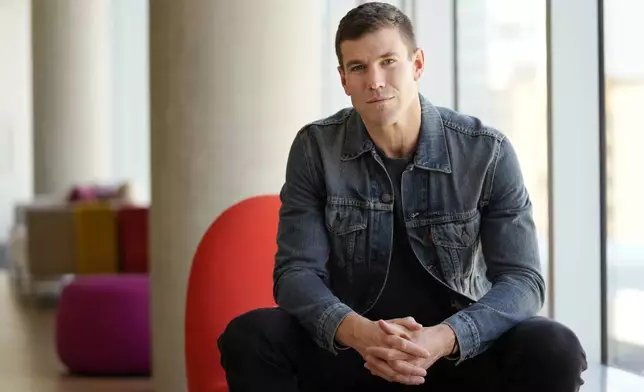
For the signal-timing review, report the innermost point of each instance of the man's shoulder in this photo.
(325, 136)
(335, 121)
(455, 122)
(327, 133)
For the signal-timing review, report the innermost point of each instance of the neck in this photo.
(399, 139)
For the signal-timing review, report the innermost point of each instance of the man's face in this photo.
(379, 75)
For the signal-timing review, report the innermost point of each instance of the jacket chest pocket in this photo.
(456, 243)
(347, 226)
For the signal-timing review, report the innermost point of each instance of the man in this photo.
(407, 254)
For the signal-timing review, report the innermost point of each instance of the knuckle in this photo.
(407, 369)
(397, 366)
(379, 366)
(401, 343)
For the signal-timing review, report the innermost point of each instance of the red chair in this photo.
(230, 275)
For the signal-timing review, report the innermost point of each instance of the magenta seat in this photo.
(103, 325)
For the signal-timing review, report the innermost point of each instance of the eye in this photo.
(388, 61)
(356, 68)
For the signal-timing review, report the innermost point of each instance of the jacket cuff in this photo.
(467, 336)
(328, 326)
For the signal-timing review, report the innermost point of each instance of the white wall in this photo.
(15, 109)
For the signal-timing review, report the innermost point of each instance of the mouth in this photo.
(379, 99)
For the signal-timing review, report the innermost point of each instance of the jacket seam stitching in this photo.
(471, 131)
(331, 121)
(307, 158)
(492, 173)
(321, 330)
(475, 332)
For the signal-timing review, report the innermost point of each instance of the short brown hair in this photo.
(370, 17)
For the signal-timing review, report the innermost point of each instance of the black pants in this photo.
(268, 350)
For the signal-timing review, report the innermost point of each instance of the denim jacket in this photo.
(467, 213)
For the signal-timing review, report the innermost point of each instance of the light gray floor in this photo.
(602, 379)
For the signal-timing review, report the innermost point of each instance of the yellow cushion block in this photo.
(96, 238)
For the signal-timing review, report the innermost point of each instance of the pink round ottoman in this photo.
(103, 325)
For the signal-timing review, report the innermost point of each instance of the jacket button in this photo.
(386, 198)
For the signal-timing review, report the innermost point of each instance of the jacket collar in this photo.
(431, 153)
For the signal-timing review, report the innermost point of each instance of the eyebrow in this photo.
(358, 62)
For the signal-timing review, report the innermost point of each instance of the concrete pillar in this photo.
(71, 92)
(231, 84)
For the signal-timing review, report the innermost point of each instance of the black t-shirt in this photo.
(409, 290)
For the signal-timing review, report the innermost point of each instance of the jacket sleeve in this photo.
(300, 274)
(510, 250)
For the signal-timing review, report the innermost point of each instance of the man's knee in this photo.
(549, 341)
(252, 329)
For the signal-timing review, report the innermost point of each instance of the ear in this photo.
(418, 61)
(343, 79)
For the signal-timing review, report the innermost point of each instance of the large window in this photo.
(501, 78)
(624, 185)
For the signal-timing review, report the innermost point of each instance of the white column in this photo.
(575, 293)
(15, 110)
(231, 84)
(71, 92)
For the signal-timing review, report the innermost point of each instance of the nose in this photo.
(375, 78)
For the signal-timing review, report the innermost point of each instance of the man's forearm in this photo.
(346, 332)
(453, 350)
(350, 332)
(511, 300)
(303, 294)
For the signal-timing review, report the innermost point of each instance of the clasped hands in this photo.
(401, 350)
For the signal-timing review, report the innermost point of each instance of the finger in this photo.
(407, 368)
(393, 329)
(375, 373)
(374, 369)
(389, 354)
(421, 362)
(406, 346)
(409, 380)
(379, 366)
(408, 322)
(396, 367)
(382, 369)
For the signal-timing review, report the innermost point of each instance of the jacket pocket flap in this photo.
(460, 234)
(341, 220)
